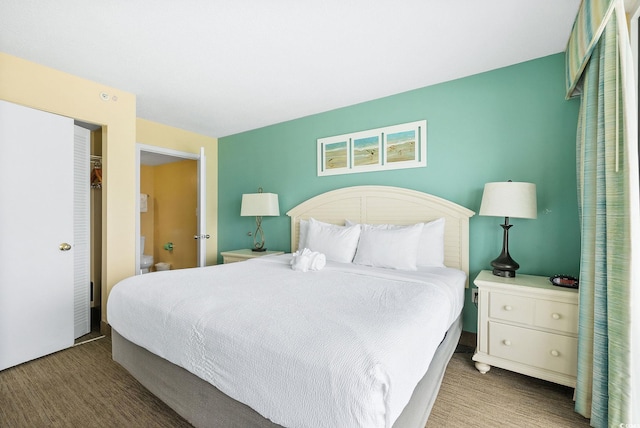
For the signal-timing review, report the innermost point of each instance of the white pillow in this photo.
(431, 246)
(389, 247)
(302, 234)
(430, 252)
(337, 243)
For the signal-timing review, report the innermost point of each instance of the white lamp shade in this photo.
(260, 204)
(509, 199)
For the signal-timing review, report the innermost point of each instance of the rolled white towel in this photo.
(305, 260)
(300, 261)
(318, 261)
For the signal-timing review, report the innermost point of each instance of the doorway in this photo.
(170, 209)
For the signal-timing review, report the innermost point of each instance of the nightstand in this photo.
(245, 254)
(528, 326)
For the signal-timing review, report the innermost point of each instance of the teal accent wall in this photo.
(507, 124)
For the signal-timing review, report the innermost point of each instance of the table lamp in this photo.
(508, 199)
(259, 204)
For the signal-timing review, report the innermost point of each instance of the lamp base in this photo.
(504, 265)
(258, 250)
(504, 273)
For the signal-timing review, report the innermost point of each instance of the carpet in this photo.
(83, 387)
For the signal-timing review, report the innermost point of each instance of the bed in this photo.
(168, 374)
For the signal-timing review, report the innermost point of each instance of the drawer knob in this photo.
(507, 307)
(555, 353)
(555, 316)
(506, 342)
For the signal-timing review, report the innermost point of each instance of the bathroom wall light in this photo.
(259, 205)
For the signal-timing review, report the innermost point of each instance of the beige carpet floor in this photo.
(79, 387)
(83, 387)
(500, 398)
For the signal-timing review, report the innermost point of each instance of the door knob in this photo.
(64, 247)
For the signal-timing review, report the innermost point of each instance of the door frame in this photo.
(633, 12)
(201, 196)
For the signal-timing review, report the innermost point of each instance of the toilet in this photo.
(146, 261)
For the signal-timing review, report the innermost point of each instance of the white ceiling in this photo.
(221, 67)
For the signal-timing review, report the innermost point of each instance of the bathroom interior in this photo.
(168, 212)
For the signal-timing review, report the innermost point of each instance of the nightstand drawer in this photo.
(557, 316)
(511, 308)
(246, 254)
(540, 349)
(232, 259)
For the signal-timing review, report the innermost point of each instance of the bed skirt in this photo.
(203, 405)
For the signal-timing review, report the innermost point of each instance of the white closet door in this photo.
(81, 232)
(36, 233)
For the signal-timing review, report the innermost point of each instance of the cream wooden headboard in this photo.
(393, 205)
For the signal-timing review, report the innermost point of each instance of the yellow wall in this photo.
(175, 204)
(33, 85)
(171, 212)
(156, 134)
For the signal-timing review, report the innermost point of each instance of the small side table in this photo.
(246, 254)
(528, 326)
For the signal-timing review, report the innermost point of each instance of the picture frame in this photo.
(366, 150)
(334, 155)
(392, 147)
(404, 146)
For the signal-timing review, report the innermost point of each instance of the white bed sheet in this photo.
(344, 346)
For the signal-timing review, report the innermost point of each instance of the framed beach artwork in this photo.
(391, 147)
(333, 155)
(402, 148)
(366, 150)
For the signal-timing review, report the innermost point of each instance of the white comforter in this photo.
(340, 347)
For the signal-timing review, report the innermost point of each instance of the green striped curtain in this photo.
(599, 69)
